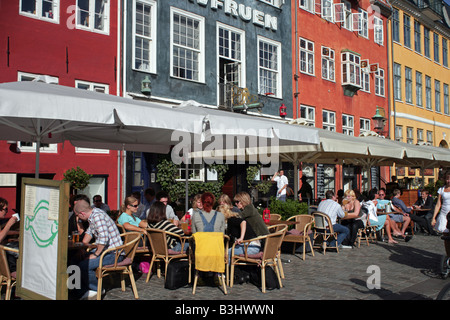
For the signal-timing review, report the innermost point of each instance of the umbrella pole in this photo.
(186, 200)
(38, 149)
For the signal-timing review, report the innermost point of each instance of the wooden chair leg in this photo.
(133, 282)
(195, 282)
(232, 276)
(99, 287)
(263, 278)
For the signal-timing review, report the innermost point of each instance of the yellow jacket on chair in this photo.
(209, 251)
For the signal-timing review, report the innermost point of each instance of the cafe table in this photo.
(275, 222)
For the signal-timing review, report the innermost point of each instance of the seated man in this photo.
(332, 209)
(423, 218)
(400, 215)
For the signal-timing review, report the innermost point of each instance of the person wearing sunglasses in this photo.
(128, 217)
(98, 203)
(11, 221)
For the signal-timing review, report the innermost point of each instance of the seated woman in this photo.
(250, 214)
(379, 221)
(157, 220)
(196, 205)
(12, 258)
(207, 219)
(355, 219)
(225, 199)
(238, 229)
(128, 220)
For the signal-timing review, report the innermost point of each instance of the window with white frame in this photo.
(446, 102)
(364, 125)
(409, 135)
(196, 172)
(436, 47)
(395, 25)
(428, 104)
(379, 82)
(306, 56)
(327, 10)
(93, 15)
(430, 137)
(347, 23)
(348, 125)
(399, 133)
(308, 114)
(187, 45)
(97, 87)
(444, 52)
(437, 95)
(419, 95)
(329, 120)
(351, 69)
(407, 31)
(269, 67)
(31, 146)
(417, 37)
(397, 82)
(419, 135)
(363, 23)
(92, 86)
(365, 80)
(328, 63)
(426, 42)
(47, 10)
(378, 30)
(307, 5)
(144, 35)
(408, 85)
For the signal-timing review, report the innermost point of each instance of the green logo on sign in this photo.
(42, 230)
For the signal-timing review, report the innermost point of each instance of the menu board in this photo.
(320, 181)
(42, 263)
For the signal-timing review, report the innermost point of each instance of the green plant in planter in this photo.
(168, 173)
(287, 208)
(263, 186)
(77, 178)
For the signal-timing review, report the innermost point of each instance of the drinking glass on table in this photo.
(75, 236)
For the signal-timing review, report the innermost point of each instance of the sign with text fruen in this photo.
(42, 263)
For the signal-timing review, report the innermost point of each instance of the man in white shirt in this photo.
(282, 183)
(334, 210)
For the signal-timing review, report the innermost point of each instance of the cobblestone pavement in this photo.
(408, 271)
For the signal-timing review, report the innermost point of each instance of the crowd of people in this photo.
(240, 220)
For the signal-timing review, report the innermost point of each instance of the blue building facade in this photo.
(229, 54)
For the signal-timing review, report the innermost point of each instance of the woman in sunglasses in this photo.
(128, 219)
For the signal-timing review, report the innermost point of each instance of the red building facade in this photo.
(340, 72)
(72, 43)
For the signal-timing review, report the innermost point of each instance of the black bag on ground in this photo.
(177, 275)
(271, 278)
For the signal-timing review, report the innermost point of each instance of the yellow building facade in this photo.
(419, 79)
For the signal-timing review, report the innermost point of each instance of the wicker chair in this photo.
(301, 234)
(131, 240)
(268, 256)
(368, 234)
(323, 231)
(207, 242)
(275, 216)
(6, 277)
(160, 251)
(272, 229)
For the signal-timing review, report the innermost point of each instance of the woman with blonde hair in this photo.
(127, 218)
(355, 220)
(225, 199)
(238, 230)
(250, 214)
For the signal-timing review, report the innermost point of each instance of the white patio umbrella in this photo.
(48, 113)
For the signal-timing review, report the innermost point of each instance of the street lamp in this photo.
(146, 86)
(379, 121)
